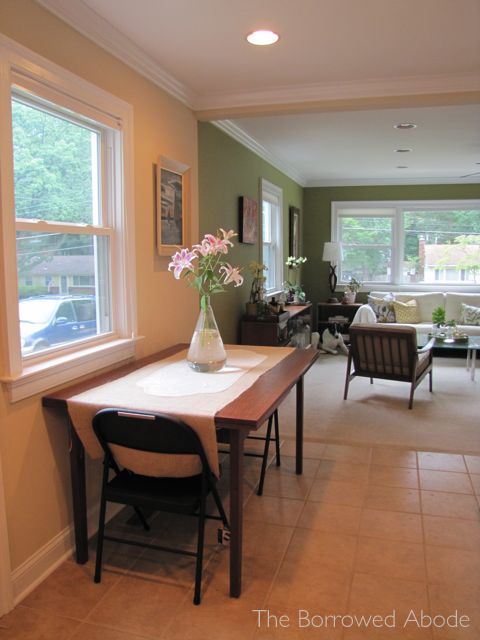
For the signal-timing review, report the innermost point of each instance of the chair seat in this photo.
(180, 495)
(424, 359)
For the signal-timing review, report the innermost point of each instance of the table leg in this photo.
(79, 499)
(237, 440)
(473, 363)
(299, 429)
(469, 352)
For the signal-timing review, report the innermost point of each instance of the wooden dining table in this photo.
(246, 413)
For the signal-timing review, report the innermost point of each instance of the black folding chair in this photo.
(223, 437)
(122, 433)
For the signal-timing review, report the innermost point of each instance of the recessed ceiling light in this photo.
(405, 150)
(262, 37)
(402, 166)
(405, 125)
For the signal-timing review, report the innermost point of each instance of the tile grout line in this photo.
(357, 542)
(424, 542)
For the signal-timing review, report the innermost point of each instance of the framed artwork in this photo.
(173, 205)
(294, 237)
(248, 220)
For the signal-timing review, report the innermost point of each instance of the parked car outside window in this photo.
(46, 321)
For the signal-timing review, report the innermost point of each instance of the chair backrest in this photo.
(383, 351)
(150, 443)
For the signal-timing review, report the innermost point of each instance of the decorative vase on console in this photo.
(208, 273)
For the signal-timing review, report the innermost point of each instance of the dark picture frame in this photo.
(173, 203)
(248, 210)
(294, 235)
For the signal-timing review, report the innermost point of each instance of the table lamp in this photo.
(332, 252)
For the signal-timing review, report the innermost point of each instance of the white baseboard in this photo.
(43, 562)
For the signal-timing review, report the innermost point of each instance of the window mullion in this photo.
(61, 227)
(398, 248)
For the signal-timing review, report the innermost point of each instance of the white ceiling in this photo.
(322, 102)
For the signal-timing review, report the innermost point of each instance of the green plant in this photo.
(354, 285)
(438, 316)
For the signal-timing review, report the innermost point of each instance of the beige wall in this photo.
(33, 443)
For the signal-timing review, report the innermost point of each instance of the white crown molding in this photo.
(90, 24)
(368, 88)
(238, 134)
(356, 182)
(86, 21)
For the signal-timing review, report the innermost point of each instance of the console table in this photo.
(292, 327)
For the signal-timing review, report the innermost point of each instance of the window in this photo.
(65, 205)
(405, 243)
(58, 173)
(272, 240)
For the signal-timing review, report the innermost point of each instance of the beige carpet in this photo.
(446, 420)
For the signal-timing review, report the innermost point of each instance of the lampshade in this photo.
(332, 252)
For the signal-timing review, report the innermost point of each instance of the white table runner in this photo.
(170, 386)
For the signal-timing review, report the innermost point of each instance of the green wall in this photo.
(317, 219)
(228, 170)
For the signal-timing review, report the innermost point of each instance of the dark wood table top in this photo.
(248, 411)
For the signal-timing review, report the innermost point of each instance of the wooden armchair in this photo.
(388, 352)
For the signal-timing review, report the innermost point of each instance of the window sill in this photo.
(46, 375)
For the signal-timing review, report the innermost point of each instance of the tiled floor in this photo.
(364, 532)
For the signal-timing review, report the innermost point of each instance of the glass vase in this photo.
(206, 353)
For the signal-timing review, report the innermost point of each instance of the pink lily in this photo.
(205, 248)
(180, 261)
(232, 274)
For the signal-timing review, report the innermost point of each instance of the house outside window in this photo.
(66, 206)
(409, 243)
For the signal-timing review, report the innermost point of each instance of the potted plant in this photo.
(438, 316)
(257, 291)
(351, 290)
(293, 290)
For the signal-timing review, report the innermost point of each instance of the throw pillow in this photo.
(383, 308)
(406, 312)
(469, 314)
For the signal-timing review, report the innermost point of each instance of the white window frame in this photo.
(33, 73)
(378, 208)
(274, 194)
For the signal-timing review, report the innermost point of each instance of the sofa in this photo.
(427, 301)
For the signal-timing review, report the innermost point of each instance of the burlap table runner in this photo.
(170, 386)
